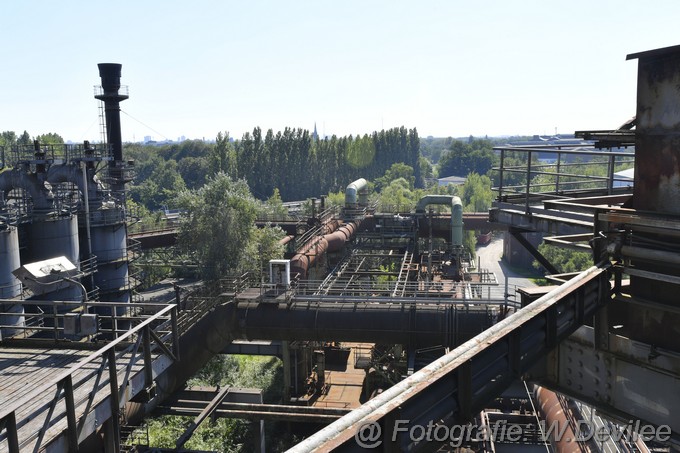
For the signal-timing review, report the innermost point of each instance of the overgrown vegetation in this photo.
(564, 260)
(229, 435)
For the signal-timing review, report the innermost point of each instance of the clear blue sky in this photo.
(449, 68)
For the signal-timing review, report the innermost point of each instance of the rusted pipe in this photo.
(308, 254)
(563, 437)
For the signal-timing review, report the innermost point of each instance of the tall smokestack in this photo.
(110, 75)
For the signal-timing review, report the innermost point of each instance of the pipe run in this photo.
(332, 242)
(456, 214)
(419, 325)
(18, 179)
(72, 173)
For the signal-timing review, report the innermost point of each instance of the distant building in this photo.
(624, 178)
(455, 180)
(315, 134)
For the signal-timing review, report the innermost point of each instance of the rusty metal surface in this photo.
(657, 163)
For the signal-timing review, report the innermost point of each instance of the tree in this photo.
(8, 138)
(274, 206)
(564, 260)
(24, 139)
(162, 186)
(463, 158)
(398, 197)
(476, 194)
(193, 171)
(218, 226)
(50, 139)
(396, 171)
(426, 171)
(223, 156)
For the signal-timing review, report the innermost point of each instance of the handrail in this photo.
(64, 383)
(519, 181)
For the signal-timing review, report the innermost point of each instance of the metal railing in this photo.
(81, 387)
(49, 317)
(531, 173)
(56, 154)
(195, 304)
(447, 292)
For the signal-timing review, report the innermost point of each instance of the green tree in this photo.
(50, 139)
(24, 139)
(8, 138)
(462, 158)
(218, 227)
(274, 207)
(398, 197)
(396, 171)
(476, 194)
(426, 170)
(193, 170)
(161, 188)
(223, 156)
(564, 260)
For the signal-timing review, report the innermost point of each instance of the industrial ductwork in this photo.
(58, 174)
(419, 325)
(456, 214)
(18, 179)
(356, 194)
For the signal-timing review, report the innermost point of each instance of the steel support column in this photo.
(517, 234)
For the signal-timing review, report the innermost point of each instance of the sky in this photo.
(448, 68)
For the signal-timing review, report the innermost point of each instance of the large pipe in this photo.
(563, 438)
(72, 173)
(307, 255)
(110, 75)
(393, 323)
(356, 194)
(456, 214)
(18, 179)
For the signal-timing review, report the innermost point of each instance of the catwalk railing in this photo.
(453, 388)
(528, 174)
(77, 391)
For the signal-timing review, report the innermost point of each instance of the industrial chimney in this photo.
(110, 95)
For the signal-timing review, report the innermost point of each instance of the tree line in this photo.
(302, 167)
(292, 161)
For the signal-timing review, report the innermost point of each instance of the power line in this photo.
(145, 125)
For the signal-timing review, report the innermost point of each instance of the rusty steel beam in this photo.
(253, 411)
(203, 414)
(517, 234)
(451, 389)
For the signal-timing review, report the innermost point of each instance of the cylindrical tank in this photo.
(53, 237)
(50, 238)
(109, 245)
(10, 286)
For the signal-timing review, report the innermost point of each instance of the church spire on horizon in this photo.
(315, 134)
